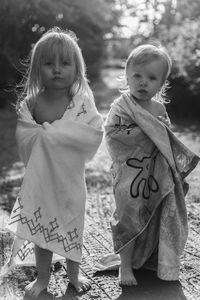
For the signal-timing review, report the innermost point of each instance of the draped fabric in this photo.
(149, 167)
(50, 208)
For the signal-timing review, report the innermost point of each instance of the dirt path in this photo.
(97, 242)
(97, 239)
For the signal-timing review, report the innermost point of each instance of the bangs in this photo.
(146, 58)
(57, 46)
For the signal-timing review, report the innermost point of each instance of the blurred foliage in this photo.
(22, 23)
(175, 24)
(99, 27)
(179, 32)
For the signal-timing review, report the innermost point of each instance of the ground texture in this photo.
(97, 238)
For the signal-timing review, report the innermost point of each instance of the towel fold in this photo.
(50, 208)
(149, 168)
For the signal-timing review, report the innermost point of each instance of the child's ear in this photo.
(161, 86)
(163, 83)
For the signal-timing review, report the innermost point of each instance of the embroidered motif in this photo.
(54, 224)
(83, 111)
(148, 184)
(73, 234)
(124, 127)
(37, 214)
(25, 250)
(68, 243)
(20, 205)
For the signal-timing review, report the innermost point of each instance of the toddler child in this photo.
(58, 130)
(149, 165)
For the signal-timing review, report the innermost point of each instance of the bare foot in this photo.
(126, 276)
(80, 283)
(34, 288)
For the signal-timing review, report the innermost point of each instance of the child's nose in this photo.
(56, 68)
(143, 82)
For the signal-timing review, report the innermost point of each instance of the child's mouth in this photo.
(56, 77)
(142, 91)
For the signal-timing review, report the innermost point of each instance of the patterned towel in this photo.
(149, 167)
(50, 207)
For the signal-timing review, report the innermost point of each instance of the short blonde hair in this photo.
(147, 53)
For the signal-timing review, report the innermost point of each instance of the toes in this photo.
(126, 277)
(128, 282)
(84, 287)
(28, 289)
(135, 282)
(33, 289)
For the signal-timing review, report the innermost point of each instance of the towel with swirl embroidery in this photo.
(49, 210)
(149, 168)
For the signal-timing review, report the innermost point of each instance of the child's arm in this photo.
(165, 120)
(163, 115)
(120, 130)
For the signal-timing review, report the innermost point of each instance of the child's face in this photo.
(146, 79)
(58, 72)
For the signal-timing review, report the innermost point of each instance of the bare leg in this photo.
(81, 283)
(17, 243)
(126, 276)
(43, 263)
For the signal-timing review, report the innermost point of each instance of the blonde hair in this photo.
(54, 40)
(146, 53)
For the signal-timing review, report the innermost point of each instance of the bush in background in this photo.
(22, 22)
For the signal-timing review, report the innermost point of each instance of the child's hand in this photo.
(165, 120)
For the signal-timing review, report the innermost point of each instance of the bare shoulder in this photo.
(30, 102)
(159, 108)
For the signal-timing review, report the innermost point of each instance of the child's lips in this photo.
(57, 77)
(142, 91)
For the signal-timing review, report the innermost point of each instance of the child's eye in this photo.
(152, 78)
(136, 75)
(48, 63)
(66, 63)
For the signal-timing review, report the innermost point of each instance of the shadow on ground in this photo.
(149, 287)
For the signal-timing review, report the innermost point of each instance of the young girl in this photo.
(58, 130)
(149, 224)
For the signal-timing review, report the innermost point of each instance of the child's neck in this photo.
(56, 94)
(144, 103)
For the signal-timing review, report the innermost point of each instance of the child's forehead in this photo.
(146, 64)
(52, 50)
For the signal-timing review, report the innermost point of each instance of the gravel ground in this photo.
(97, 242)
(97, 238)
